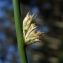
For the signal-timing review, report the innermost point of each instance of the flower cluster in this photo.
(29, 30)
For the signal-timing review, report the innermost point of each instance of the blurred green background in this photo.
(49, 20)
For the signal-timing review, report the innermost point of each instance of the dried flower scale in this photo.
(29, 30)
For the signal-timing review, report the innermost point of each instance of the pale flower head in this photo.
(29, 32)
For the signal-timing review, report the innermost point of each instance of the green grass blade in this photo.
(19, 33)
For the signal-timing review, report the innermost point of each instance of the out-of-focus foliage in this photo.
(50, 21)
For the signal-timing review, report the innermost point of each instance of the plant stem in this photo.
(19, 33)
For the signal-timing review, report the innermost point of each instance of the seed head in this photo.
(29, 30)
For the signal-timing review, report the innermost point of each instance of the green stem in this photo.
(18, 25)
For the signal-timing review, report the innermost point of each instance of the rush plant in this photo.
(28, 35)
